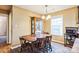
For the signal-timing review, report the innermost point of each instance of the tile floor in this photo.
(60, 48)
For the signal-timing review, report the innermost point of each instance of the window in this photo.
(57, 25)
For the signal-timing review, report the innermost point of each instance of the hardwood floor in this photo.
(5, 48)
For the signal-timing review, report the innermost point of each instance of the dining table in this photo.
(36, 42)
(33, 37)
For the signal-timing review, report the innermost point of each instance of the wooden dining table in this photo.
(36, 42)
(33, 37)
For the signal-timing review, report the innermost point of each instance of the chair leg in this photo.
(21, 49)
(46, 48)
(32, 48)
(50, 47)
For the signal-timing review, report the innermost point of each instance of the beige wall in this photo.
(70, 20)
(21, 23)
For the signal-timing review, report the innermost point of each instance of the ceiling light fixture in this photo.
(46, 16)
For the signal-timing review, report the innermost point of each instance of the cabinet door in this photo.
(39, 25)
(36, 25)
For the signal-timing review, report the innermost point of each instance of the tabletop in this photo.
(34, 37)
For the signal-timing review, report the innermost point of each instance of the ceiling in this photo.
(41, 8)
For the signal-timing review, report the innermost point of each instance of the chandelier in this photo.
(46, 16)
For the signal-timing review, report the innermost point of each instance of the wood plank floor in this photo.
(5, 48)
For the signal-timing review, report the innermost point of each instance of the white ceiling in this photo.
(41, 8)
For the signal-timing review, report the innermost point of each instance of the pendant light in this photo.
(46, 16)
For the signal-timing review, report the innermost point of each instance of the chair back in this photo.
(49, 38)
(41, 43)
(22, 41)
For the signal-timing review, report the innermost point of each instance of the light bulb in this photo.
(48, 17)
(43, 17)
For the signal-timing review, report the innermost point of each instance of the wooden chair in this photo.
(26, 46)
(41, 45)
(30, 47)
(35, 46)
(48, 42)
(23, 45)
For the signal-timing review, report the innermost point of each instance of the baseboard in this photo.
(58, 41)
(13, 47)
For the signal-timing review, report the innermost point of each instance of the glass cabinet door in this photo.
(36, 25)
(39, 25)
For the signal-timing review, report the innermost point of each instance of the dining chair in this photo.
(26, 46)
(34, 47)
(41, 45)
(23, 45)
(48, 43)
